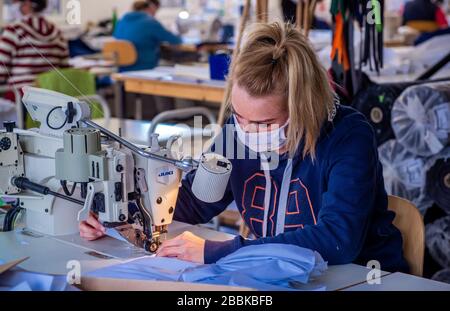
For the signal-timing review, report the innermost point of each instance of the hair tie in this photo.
(274, 61)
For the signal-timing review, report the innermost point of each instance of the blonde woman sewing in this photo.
(326, 192)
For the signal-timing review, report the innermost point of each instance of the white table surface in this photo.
(402, 282)
(176, 74)
(50, 255)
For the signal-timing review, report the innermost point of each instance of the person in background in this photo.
(30, 46)
(142, 29)
(424, 10)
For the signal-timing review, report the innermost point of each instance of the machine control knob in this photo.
(9, 126)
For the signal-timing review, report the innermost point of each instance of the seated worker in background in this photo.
(30, 46)
(424, 11)
(327, 191)
(142, 29)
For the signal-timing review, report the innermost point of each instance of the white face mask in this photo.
(262, 141)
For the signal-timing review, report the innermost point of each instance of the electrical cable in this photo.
(48, 118)
(66, 190)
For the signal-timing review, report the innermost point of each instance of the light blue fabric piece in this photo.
(262, 267)
(146, 268)
(265, 267)
(19, 280)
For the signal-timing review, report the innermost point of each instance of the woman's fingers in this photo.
(173, 242)
(170, 252)
(88, 232)
(92, 221)
(186, 246)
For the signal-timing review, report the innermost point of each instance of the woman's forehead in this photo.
(257, 108)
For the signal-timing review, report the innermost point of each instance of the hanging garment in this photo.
(438, 179)
(262, 267)
(421, 118)
(404, 174)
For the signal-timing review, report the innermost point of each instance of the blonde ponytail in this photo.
(277, 59)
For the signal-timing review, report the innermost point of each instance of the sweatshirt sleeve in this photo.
(8, 44)
(346, 210)
(163, 35)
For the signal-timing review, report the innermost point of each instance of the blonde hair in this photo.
(277, 59)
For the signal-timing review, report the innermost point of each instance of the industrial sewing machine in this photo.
(71, 166)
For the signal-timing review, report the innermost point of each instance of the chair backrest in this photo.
(410, 223)
(121, 51)
(70, 81)
(423, 26)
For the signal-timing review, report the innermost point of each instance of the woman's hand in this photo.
(91, 229)
(186, 246)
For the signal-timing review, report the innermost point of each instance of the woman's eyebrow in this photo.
(252, 121)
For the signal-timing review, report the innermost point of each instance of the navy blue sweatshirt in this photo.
(337, 203)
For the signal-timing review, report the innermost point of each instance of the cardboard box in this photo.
(109, 284)
(9, 265)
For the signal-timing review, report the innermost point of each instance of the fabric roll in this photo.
(437, 237)
(438, 180)
(421, 118)
(404, 174)
(376, 103)
(442, 276)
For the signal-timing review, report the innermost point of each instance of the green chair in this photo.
(77, 83)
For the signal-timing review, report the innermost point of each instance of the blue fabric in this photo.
(262, 267)
(147, 268)
(19, 280)
(78, 47)
(146, 33)
(337, 204)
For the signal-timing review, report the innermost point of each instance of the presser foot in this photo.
(152, 245)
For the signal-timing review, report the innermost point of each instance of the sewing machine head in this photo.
(55, 111)
(97, 171)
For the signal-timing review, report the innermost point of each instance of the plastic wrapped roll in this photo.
(437, 237)
(442, 276)
(438, 180)
(421, 118)
(376, 103)
(404, 174)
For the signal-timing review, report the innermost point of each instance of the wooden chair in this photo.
(423, 26)
(410, 223)
(121, 51)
